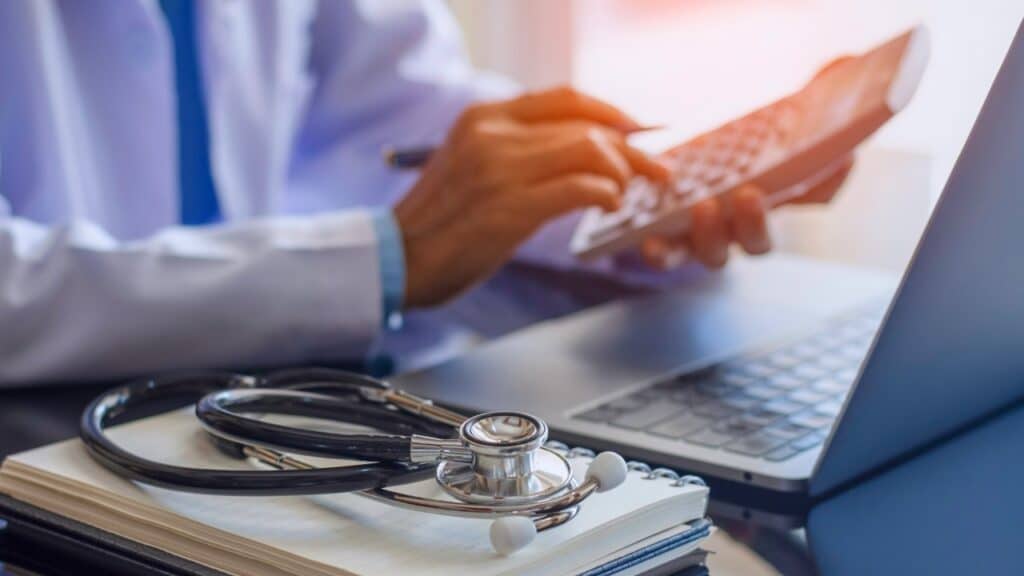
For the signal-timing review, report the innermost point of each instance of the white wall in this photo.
(530, 41)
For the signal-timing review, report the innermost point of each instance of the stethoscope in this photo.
(492, 465)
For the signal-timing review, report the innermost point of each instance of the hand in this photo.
(505, 170)
(711, 233)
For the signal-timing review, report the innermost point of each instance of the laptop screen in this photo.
(951, 351)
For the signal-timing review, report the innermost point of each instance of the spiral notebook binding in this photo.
(648, 472)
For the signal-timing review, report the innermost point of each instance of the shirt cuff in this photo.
(392, 266)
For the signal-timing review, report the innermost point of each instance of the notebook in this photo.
(648, 520)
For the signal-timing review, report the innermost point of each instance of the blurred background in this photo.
(693, 64)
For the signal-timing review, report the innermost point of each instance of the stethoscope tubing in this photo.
(122, 400)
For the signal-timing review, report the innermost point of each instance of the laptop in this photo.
(788, 379)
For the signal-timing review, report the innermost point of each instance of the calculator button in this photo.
(685, 185)
(642, 219)
(712, 176)
(611, 223)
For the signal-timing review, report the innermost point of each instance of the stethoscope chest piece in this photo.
(509, 464)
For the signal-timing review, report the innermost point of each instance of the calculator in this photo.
(784, 148)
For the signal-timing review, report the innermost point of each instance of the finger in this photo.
(749, 222)
(567, 103)
(588, 151)
(824, 191)
(569, 192)
(832, 65)
(645, 164)
(709, 234)
(639, 161)
(663, 253)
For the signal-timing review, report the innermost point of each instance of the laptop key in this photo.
(830, 409)
(681, 396)
(811, 419)
(714, 409)
(599, 414)
(833, 362)
(784, 406)
(784, 381)
(736, 427)
(761, 416)
(781, 453)
(626, 403)
(760, 369)
(680, 425)
(764, 392)
(809, 372)
(650, 414)
(790, 430)
(756, 444)
(829, 386)
(807, 397)
(741, 401)
(709, 437)
(847, 376)
(807, 442)
(852, 353)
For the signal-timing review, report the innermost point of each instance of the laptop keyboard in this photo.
(772, 405)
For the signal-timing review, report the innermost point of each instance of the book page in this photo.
(352, 532)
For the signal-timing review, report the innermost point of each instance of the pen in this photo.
(409, 158)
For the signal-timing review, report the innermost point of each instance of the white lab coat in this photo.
(96, 280)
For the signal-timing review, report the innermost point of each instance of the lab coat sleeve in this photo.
(76, 305)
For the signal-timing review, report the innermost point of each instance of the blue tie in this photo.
(198, 198)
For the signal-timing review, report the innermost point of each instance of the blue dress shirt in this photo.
(198, 198)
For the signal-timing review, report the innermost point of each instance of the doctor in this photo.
(200, 184)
